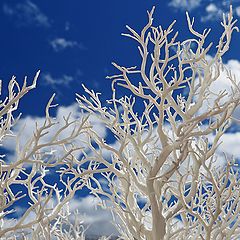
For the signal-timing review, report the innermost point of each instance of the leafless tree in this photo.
(163, 176)
(32, 203)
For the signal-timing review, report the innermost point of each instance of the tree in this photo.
(50, 150)
(165, 177)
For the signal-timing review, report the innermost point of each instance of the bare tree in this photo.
(32, 203)
(163, 175)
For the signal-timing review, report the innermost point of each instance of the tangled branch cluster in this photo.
(170, 182)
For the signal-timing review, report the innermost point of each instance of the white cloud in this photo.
(67, 26)
(98, 219)
(230, 144)
(211, 8)
(26, 127)
(59, 44)
(185, 4)
(238, 11)
(48, 79)
(26, 13)
(230, 141)
(95, 220)
(223, 83)
(56, 82)
(213, 12)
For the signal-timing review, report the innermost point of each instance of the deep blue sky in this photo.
(93, 28)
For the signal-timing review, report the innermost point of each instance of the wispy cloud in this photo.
(59, 44)
(185, 4)
(26, 13)
(54, 82)
(213, 12)
(60, 82)
(238, 11)
(213, 9)
(67, 26)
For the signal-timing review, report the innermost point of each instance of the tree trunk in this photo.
(158, 221)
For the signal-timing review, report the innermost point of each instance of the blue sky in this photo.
(74, 42)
